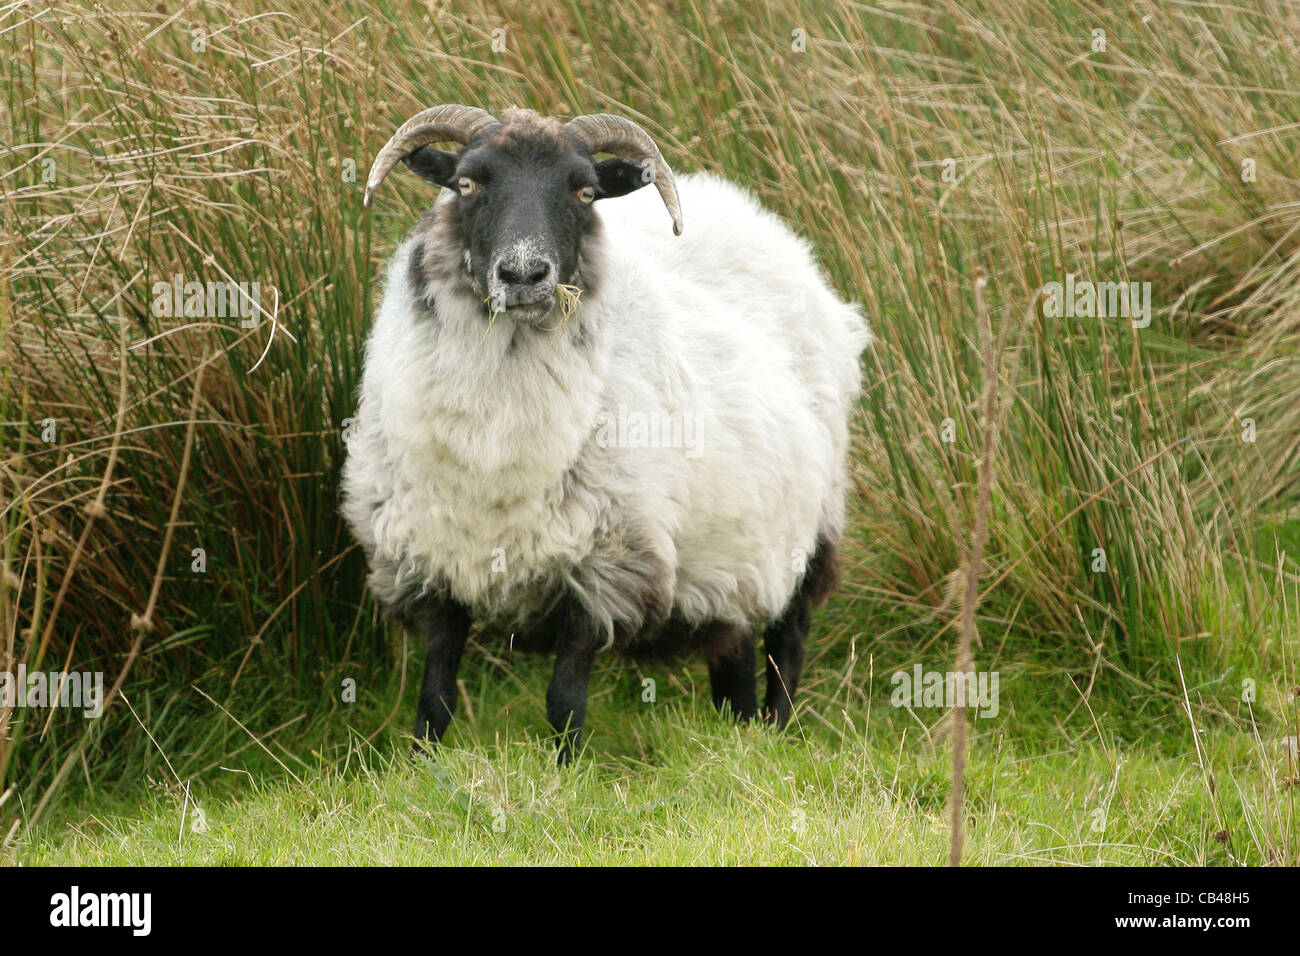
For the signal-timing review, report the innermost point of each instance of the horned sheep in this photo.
(585, 433)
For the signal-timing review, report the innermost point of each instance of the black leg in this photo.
(783, 643)
(731, 677)
(784, 639)
(566, 698)
(445, 625)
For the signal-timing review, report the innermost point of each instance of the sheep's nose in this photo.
(526, 276)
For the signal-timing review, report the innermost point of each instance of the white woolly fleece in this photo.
(499, 464)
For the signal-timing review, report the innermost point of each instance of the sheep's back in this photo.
(734, 323)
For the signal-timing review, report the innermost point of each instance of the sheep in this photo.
(654, 470)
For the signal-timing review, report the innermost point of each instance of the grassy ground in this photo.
(704, 795)
(672, 783)
(1068, 772)
(168, 485)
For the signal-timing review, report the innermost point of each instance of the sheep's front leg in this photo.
(566, 698)
(445, 624)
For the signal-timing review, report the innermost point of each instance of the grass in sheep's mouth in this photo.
(569, 297)
(492, 317)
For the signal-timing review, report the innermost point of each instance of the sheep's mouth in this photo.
(529, 313)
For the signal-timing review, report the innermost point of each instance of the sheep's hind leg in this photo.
(783, 641)
(445, 625)
(731, 669)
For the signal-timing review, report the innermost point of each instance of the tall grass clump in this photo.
(168, 483)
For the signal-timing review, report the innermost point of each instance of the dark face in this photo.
(523, 206)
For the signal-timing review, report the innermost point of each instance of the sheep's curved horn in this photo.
(435, 125)
(606, 133)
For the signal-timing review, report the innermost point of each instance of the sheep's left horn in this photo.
(435, 125)
(606, 133)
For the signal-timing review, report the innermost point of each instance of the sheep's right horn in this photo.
(607, 133)
(435, 125)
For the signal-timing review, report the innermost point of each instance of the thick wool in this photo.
(501, 465)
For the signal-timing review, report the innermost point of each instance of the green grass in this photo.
(921, 149)
(672, 783)
(1056, 777)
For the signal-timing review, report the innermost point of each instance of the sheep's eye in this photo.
(466, 186)
(587, 194)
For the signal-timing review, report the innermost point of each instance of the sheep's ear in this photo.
(618, 177)
(433, 166)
